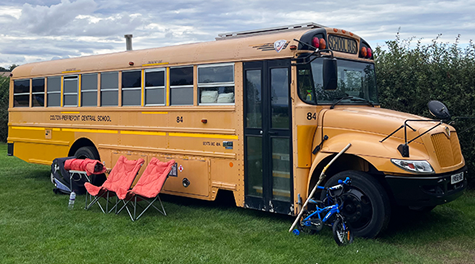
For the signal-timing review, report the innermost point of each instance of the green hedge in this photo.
(4, 83)
(410, 76)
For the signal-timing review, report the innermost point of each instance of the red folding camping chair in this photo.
(148, 187)
(121, 177)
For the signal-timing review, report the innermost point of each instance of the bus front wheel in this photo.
(366, 206)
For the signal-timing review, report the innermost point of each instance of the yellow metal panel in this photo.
(305, 135)
(196, 172)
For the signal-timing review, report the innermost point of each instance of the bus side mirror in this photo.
(438, 109)
(330, 74)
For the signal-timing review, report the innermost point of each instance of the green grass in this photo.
(37, 227)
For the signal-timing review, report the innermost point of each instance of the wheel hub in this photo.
(356, 208)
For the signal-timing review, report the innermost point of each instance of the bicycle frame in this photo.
(329, 210)
(323, 214)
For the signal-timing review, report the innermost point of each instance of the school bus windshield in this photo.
(355, 79)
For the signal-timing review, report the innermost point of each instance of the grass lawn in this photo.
(37, 227)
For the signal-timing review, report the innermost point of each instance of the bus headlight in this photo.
(417, 166)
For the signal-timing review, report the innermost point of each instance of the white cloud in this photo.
(42, 29)
(53, 20)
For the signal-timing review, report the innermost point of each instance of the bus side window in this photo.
(155, 87)
(70, 90)
(54, 91)
(131, 88)
(216, 84)
(110, 89)
(89, 89)
(181, 86)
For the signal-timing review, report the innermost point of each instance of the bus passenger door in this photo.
(267, 132)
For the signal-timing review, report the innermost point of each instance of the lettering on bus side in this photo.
(83, 118)
(212, 144)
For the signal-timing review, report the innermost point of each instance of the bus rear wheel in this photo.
(87, 152)
(366, 206)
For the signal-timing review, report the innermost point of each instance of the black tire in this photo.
(342, 233)
(87, 152)
(366, 206)
(305, 229)
(91, 153)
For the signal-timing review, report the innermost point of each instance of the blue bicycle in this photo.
(328, 212)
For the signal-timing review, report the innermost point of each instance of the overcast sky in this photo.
(40, 30)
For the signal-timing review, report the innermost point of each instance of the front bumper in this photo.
(426, 191)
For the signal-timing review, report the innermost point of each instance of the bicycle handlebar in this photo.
(346, 181)
(340, 184)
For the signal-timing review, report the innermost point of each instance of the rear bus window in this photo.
(21, 93)
(38, 92)
(181, 86)
(216, 84)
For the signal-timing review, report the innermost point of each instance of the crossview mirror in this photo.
(438, 109)
(330, 74)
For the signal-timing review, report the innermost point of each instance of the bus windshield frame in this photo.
(356, 83)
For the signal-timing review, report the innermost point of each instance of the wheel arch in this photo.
(343, 163)
(79, 143)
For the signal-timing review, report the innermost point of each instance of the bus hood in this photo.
(367, 127)
(373, 120)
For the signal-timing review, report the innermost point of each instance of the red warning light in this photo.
(316, 42)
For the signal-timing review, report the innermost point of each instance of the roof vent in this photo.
(128, 41)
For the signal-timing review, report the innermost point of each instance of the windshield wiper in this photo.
(362, 100)
(339, 100)
(352, 98)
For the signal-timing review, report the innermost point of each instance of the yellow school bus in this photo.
(258, 113)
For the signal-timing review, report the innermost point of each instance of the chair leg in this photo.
(115, 205)
(96, 201)
(151, 204)
(128, 211)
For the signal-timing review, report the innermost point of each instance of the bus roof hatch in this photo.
(248, 33)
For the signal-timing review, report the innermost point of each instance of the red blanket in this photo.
(88, 165)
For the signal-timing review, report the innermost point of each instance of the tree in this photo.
(409, 77)
(4, 85)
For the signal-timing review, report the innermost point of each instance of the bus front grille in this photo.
(447, 150)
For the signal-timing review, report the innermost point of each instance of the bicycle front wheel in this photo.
(342, 233)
